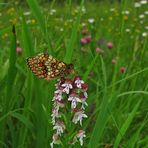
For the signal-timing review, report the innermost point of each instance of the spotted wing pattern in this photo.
(45, 66)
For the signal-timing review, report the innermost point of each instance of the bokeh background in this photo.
(107, 42)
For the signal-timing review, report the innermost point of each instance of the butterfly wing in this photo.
(46, 67)
(55, 68)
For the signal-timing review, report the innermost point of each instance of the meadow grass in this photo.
(118, 92)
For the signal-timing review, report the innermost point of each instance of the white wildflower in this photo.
(67, 87)
(143, 2)
(91, 20)
(78, 116)
(144, 34)
(141, 16)
(79, 83)
(80, 136)
(137, 5)
(59, 127)
(74, 100)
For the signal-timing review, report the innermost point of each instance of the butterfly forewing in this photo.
(46, 67)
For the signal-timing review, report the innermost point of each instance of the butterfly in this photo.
(47, 67)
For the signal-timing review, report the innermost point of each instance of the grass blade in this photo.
(85, 76)
(70, 47)
(126, 125)
(33, 4)
(102, 117)
(27, 45)
(23, 119)
(26, 38)
(12, 68)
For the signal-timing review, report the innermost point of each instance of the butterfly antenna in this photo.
(46, 51)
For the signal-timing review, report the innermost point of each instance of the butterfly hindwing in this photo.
(37, 66)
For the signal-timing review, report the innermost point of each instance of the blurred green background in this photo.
(114, 64)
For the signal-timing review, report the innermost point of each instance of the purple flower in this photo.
(83, 41)
(59, 103)
(55, 140)
(80, 135)
(73, 97)
(59, 127)
(113, 61)
(83, 100)
(78, 81)
(99, 50)
(55, 111)
(19, 50)
(86, 39)
(78, 116)
(58, 95)
(84, 87)
(67, 86)
(110, 45)
(73, 92)
(122, 69)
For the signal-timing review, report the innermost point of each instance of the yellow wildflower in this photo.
(125, 17)
(33, 21)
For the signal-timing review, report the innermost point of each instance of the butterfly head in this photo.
(70, 68)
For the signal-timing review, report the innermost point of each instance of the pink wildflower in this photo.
(122, 69)
(99, 50)
(113, 61)
(19, 50)
(110, 45)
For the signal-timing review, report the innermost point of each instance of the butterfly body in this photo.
(45, 66)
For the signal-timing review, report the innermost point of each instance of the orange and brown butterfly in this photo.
(47, 67)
